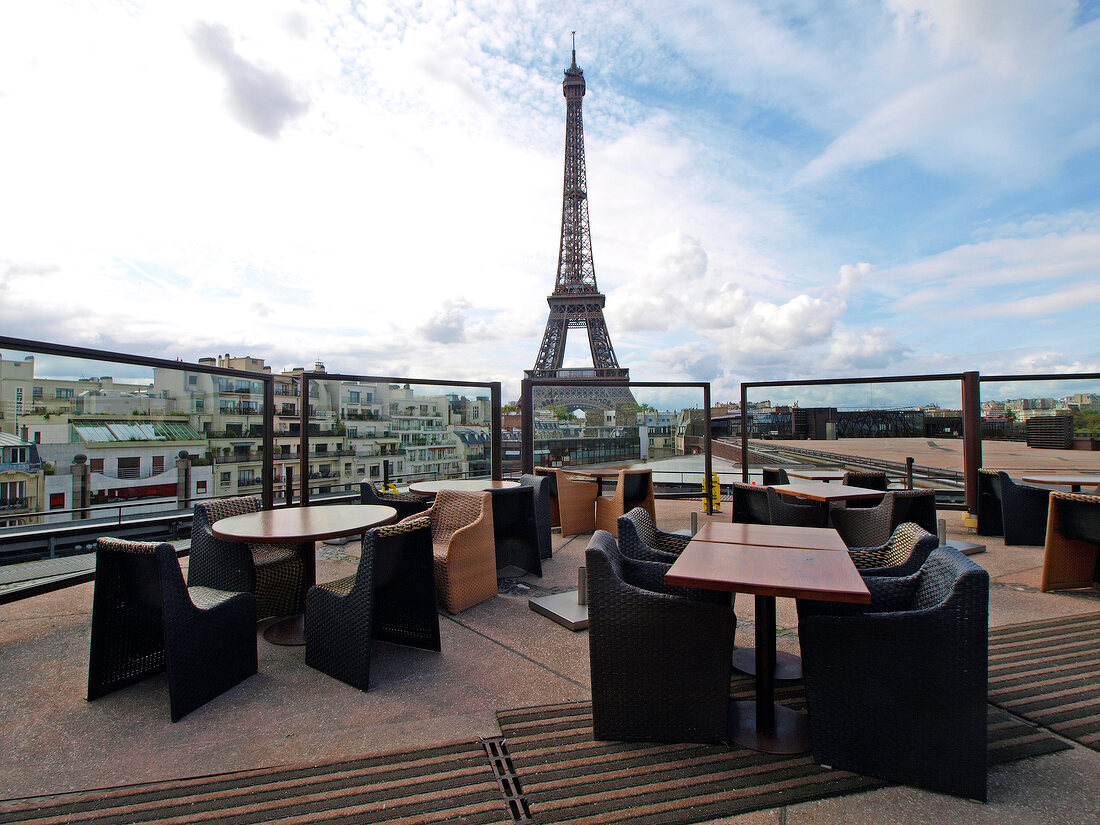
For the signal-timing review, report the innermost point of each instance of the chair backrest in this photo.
(793, 515)
(1080, 516)
(207, 512)
(639, 526)
(636, 485)
(870, 479)
(127, 640)
(948, 574)
(368, 493)
(750, 504)
(917, 506)
(454, 509)
(865, 526)
(989, 503)
(775, 475)
(390, 548)
(551, 477)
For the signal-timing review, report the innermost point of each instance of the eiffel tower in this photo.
(576, 301)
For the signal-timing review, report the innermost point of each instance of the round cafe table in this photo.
(304, 526)
(472, 485)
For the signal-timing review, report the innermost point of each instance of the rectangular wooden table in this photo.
(819, 475)
(1074, 482)
(767, 570)
(820, 491)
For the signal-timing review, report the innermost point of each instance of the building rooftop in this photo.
(496, 657)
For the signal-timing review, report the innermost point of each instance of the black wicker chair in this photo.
(990, 522)
(795, 515)
(916, 506)
(271, 572)
(1023, 511)
(543, 515)
(774, 475)
(865, 526)
(902, 555)
(640, 539)
(750, 504)
(145, 620)
(406, 504)
(515, 531)
(660, 656)
(897, 689)
(868, 479)
(391, 597)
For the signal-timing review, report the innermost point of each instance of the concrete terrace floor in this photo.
(497, 655)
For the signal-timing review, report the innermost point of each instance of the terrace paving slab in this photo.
(496, 655)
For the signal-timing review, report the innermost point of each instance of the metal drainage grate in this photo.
(496, 748)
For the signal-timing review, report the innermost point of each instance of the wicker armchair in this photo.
(794, 515)
(868, 479)
(406, 504)
(902, 555)
(916, 506)
(576, 498)
(897, 690)
(515, 531)
(145, 620)
(774, 475)
(989, 504)
(660, 656)
(543, 514)
(640, 539)
(865, 526)
(390, 597)
(552, 482)
(1072, 554)
(634, 488)
(1023, 511)
(462, 547)
(750, 504)
(271, 572)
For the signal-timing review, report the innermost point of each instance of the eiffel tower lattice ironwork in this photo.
(577, 302)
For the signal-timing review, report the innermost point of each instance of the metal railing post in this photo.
(972, 437)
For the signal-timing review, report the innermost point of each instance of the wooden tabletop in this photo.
(798, 572)
(820, 491)
(574, 471)
(297, 524)
(472, 485)
(819, 475)
(1064, 480)
(773, 535)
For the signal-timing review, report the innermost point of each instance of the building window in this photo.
(12, 493)
(375, 471)
(36, 393)
(192, 380)
(18, 400)
(225, 479)
(129, 467)
(353, 397)
(200, 486)
(200, 405)
(63, 392)
(158, 464)
(57, 501)
(96, 465)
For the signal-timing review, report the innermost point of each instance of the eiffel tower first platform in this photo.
(577, 302)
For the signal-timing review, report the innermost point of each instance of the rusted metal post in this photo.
(744, 434)
(527, 428)
(707, 462)
(972, 437)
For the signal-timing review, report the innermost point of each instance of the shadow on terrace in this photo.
(290, 743)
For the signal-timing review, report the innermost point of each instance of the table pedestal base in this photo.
(790, 734)
(290, 631)
(788, 667)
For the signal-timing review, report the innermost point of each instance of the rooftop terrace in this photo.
(496, 657)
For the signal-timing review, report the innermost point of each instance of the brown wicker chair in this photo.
(1071, 557)
(462, 546)
(145, 620)
(271, 572)
(576, 500)
(633, 489)
(391, 597)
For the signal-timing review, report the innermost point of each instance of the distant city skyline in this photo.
(777, 192)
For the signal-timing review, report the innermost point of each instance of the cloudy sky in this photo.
(777, 190)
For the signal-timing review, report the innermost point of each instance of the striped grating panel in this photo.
(1049, 672)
